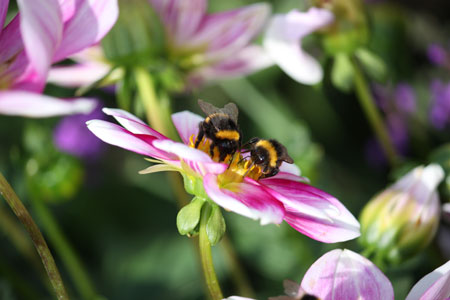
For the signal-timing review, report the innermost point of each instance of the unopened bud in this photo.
(189, 217)
(402, 220)
(215, 227)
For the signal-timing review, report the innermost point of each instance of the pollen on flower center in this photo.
(239, 167)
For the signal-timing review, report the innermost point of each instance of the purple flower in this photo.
(43, 33)
(405, 98)
(236, 187)
(72, 136)
(437, 54)
(283, 42)
(398, 106)
(440, 105)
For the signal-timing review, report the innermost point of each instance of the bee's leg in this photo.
(222, 156)
(200, 135)
(211, 149)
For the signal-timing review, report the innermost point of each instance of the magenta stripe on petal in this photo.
(344, 274)
(115, 135)
(186, 124)
(3, 11)
(11, 40)
(313, 212)
(41, 27)
(246, 198)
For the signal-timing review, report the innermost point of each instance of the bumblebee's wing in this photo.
(208, 108)
(285, 156)
(231, 110)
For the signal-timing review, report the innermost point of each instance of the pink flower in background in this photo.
(236, 188)
(283, 42)
(43, 33)
(217, 45)
(344, 274)
(338, 274)
(434, 286)
(203, 46)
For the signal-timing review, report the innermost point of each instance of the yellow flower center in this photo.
(238, 166)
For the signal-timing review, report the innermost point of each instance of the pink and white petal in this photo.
(3, 11)
(225, 33)
(181, 17)
(41, 27)
(115, 135)
(285, 49)
(290, 168)
(89, 24)
(313, 212)
(77, 75)
(249, 60)
(237, 298)
(344, 274)
(246, 198)
(289, 176)
(68, 9)
(299, 24)
(33, 105)
(186, 124)
(132, 123)
(197, 160)
(433, 286)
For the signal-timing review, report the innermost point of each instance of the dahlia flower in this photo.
(234, 187)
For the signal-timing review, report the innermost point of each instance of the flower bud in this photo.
(215, 227)
(402, 220)
(189, 217)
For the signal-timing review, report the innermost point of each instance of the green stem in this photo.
(64, 249)
(157, 108)
(368, 104)
(41, 246)
(206, 257)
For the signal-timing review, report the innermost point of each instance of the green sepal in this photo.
(342, 74)
(372, 64)
(194, 185)
(188, 217)
(215, 227)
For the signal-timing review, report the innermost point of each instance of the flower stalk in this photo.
(206, 257)
(368, 105)
(39, 242)
(156, 108)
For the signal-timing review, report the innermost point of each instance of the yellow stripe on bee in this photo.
(208, 118)
(272, 152)
(228, 134)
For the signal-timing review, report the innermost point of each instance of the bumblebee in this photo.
(221, 127)
(268, 155)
